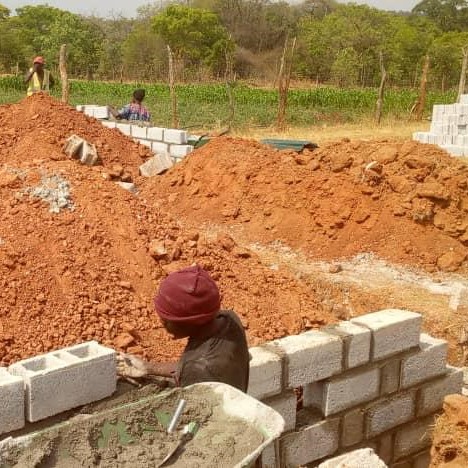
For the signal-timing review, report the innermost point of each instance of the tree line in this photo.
(336, 43)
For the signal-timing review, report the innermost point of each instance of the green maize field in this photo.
(206, 106)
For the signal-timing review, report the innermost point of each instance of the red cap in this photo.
(188, 296)
(39, 59)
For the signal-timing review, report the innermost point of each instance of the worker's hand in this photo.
(36, 67)
(131, 366)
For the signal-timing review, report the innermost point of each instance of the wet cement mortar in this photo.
(221, 440)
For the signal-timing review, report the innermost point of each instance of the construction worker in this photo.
(188, 304)
(39, 79)
(135, 110)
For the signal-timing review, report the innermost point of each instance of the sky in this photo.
(128, 7)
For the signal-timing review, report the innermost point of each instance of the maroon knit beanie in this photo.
(188, 296)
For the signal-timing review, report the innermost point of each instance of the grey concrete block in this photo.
(464, 99)
(422, 460)
(65, 379)
(159, 147)
(180, 151)
(177, 137)
(155, 133)
(363, 458)
(356, 341)
(390, 377)
(109, 123)
(385, 447)
(156, 165)
(101, 112)
(310, 357)
(389, 414)
(138, 131)
(11, 402)
(312, 443)
(426, 364)
(393, 331)
(340, 393)
(431, 396)
(286, 405)
(352, 431)
(413, 438)
(125, 128)
(265, 373)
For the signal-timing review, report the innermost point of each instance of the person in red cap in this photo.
(38, 78)
(188, 304)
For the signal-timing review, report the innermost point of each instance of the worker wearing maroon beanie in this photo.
(188, 304)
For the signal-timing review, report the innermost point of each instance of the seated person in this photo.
(135, 110)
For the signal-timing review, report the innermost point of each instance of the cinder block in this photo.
(160, 148)
(108, 123)
(426, 364)
(65, 379)
(80, 108)
(413, 438)
(177, 137)
(265, 373)
(393, 331)
(352, 432)
(311, 356)
(464, 99)
(101, 112)
(363, 458)
(270, 455)
(385, 447)
(156, 133)
(125, 128)
(390, 377)
(356, 341)
(340, 393)
(286, 405)
(139, 132)
(431, 396)
(312, 443)
(158, 164)
(389, 414)
(180, 151)
(11, 402)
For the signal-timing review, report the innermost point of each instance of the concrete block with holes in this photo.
(311, 356)
(393, 331)
(65, 379)
(11, 402)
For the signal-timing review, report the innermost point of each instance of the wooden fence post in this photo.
(461, 86)
(175, 115)
(380, 99)
(64, 74)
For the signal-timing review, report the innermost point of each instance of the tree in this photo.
(449, 15)
(4, 12)
(194, 35)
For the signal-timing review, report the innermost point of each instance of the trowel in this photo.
(187, 434)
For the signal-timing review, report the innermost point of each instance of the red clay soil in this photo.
(406, 202)
(91, 273)
(450, 435)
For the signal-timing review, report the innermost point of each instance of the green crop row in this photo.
(205, 105)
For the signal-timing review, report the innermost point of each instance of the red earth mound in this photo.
(90, 271)
(406, 202)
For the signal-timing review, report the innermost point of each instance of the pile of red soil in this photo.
(91, 272)
(406, 202)
(450, 435)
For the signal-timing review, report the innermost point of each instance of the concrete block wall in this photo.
(160, 140)
(375, 381)
(42, 386)
(449, 128)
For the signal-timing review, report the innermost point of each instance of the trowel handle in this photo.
(176, 417)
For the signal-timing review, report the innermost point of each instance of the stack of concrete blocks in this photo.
(46, 385)
(374, 382)
(449, 128)
(160, 140)
(98, 112)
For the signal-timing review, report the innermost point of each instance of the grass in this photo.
(205, 106)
